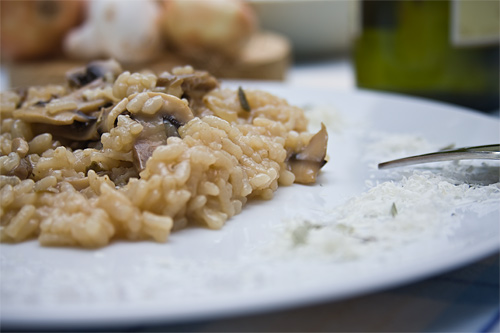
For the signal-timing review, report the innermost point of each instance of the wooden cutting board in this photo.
(267, 56)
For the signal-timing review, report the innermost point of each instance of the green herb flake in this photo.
(448, 147)
(394, 210)
(243, 100)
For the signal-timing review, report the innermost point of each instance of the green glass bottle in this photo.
(443, 50)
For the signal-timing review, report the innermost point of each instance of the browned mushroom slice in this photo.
(70, 117)
(41, 114)
(77, 131)
(198, 83)
(190, 86)
(143, 150)
(157, 127)
(82, 76)
(83, 105)
(169, 84)
(306, 164)
(153, 135)
(22, 170)
(91, 106)
(160, 105)
(61, 111)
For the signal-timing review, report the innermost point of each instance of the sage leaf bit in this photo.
(243, 100)
(394, 210)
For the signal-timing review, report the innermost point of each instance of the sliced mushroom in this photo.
(74, 120)
(78, 130)
(306, 164)
(190, 86)
(157, 127)
(22, 170)
(170, 84)
(171, 106)
(143, 150)
(198, 81)
(82, 104)
(82, 76)
(40, 114)
(156, 131)
(91, 106)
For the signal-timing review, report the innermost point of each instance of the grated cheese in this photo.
(400, 207)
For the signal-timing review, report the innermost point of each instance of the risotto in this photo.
(116, 155)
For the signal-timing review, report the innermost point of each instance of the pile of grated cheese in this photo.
(404, 207)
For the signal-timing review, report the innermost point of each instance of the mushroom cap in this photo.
(221, 26)
(306, 164)
(172, 105)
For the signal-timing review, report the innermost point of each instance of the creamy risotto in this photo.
(118, 155)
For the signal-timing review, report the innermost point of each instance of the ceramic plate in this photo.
(358, 230)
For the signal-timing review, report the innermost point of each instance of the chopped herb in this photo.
(448, 147)
(243, 100)
(394, 210)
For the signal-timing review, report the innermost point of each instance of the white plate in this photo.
(243, 268)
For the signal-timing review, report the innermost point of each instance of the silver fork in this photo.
(488, 152)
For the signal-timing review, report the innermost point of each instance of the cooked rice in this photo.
(88, 196)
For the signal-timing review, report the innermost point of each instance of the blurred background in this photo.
(443, 50)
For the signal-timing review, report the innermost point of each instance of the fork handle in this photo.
(490, 152)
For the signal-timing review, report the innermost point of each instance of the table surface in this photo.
(464, 300)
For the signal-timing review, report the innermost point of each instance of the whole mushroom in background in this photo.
(35, 29)
(128, 31)
(203, 30)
